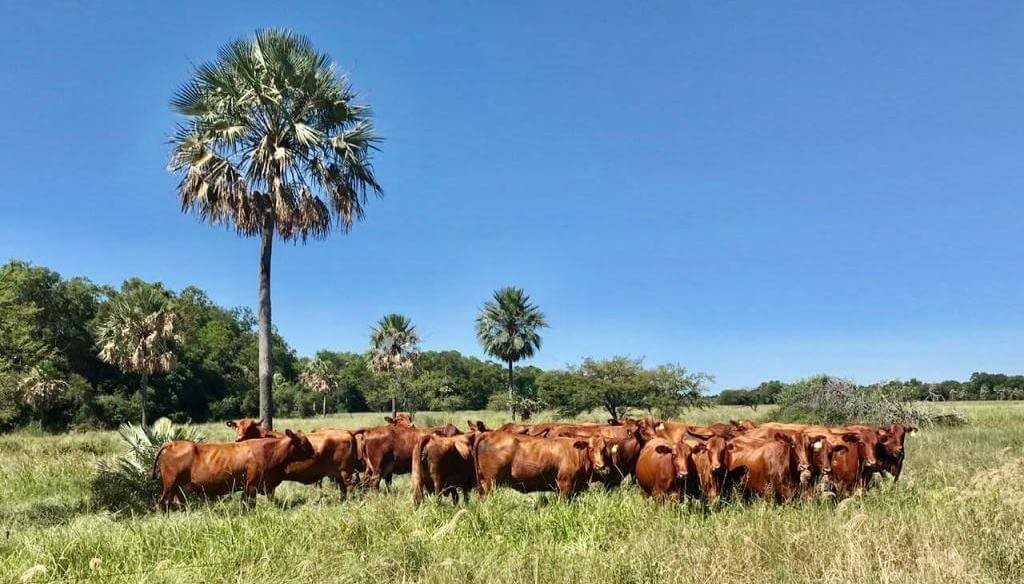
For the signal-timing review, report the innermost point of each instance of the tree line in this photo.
(76, 353)
(980, 386)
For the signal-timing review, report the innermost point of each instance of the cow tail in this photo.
(156, 461)
(417, 468)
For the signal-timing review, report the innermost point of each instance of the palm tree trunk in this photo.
(142, 396)
(266, 373)
(325, 406)
(511, 406)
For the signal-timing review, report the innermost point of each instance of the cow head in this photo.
(247, 429)
(821, 453)
(867, 442)
(701, 456)
(680, 453)
(716, 447)
(743, 425)
(301, 448)
(644, 433)
(400, 419)
(597, 450)
(893, 440)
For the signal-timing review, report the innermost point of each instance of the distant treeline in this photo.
(51, 375)
(980, 386)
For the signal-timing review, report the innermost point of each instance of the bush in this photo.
(126, 482)
(834, 401)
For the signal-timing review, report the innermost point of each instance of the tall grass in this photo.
(957, 514)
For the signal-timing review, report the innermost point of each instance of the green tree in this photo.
(394, 346)
(620, 383)
(138, 336)
(508, 328)
(273, 145)
(319, 376)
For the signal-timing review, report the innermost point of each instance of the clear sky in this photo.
(755, 190)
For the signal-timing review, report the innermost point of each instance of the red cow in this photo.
(442, 464)
(529, 463)
(214, 469)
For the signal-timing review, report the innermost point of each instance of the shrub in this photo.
(126, 482)
(835, 401)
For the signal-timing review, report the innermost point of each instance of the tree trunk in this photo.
(266, 372)
(511, 395)
(325, 406)
(142, 397)
(394, 406)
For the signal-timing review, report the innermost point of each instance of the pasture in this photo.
(957, 514)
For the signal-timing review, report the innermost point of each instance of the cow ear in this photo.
(258, 422)
(232, 424)
(581, 444)
(851, 437)
(700, 447)
(289, 433)
(389, 419)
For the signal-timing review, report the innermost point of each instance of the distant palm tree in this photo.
(273, 144)
(508, 328)
(319, 376)
(394, 346)
(138, 335)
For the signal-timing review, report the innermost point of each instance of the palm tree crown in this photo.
(138, 335)
(508, 326)
(273, 137)
(394, 343)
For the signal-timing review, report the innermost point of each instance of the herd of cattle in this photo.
(666, 459)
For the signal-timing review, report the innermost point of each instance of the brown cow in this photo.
(624, 445)
(663, 467)
(214, 469)
(443, 465)
(892, 453)
(763, 466)
(335, 457)
(529, 463)
(708, 457)
(248, 428)
(385, 451)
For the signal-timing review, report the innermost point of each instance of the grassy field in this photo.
(958, 514)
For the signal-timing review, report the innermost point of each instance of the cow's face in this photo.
(701, 457)
(301, 447)
(247, 429)
(893, 439)
(716, 453)
(868, 442)
(599, 453)
(821, 453)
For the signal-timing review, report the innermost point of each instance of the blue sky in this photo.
(754, 190)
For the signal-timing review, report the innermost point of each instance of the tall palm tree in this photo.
(138, 335)
(394, 346)
(273, 144)
(508, 327)
(319, 376)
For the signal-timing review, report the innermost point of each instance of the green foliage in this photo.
(126, 482)
(619, 384)
(508, 326)
(763, 394)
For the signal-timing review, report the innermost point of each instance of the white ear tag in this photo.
(660, 426)
(817, 445)
(615, 448)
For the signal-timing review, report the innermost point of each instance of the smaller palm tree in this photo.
(508, 328)
(138, 336)
(41, 385)
(318, 375)
(394, 346)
